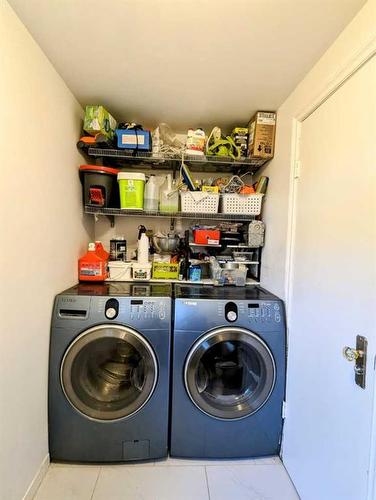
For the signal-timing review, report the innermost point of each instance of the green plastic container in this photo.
(131, 189)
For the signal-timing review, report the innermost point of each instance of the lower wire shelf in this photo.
(92, 209)
(249, 282)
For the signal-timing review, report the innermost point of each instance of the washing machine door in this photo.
(229, 373)
(109, 372)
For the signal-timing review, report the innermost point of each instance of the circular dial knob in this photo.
(232, 316)
(111, 312)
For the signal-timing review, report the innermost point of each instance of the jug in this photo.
(168, 196)
(151, 195)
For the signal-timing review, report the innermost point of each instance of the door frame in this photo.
(356, 60)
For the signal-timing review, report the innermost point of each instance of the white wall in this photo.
(42, 234)
(277, 208)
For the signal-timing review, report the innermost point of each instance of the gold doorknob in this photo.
(352, 354)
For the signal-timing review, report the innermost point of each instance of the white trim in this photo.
(372, 463)
(38, 478)
(295, 156)
(356, 61)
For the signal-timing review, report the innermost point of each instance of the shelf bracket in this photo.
(111, 218)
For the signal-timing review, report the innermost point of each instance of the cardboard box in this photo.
(98, 120)
(262, 134)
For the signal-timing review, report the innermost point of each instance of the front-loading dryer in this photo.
(228, 372)
(109, 373)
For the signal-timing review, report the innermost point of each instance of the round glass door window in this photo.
(229, 373)
(109, 373)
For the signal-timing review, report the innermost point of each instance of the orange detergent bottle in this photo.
(100, 250)
(92, 267)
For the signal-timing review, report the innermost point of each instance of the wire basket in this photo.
(234, 203)
(199, 202)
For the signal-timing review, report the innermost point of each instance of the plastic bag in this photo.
(165, 141)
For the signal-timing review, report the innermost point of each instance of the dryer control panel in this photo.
(263, 313)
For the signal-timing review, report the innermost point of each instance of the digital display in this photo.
(137, 302)
(253, 306)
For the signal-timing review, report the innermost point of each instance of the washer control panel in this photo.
(146, 310)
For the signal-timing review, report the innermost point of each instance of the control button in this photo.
(278, 318)
(111, 309)
(232, 316)
(231, 312)
(111, 313)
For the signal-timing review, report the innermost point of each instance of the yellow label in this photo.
(210, 189)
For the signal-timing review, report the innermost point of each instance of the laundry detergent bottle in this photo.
(92, 267)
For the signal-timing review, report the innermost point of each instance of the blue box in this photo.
(133, 139)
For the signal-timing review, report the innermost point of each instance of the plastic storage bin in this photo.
(131, 190)
(197, 201)
(120, 271)
(141, 272)
(247, 204)
(99, 186)
(206, 236)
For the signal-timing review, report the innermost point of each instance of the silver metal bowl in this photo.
(166, 244)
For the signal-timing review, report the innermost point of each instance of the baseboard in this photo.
(37, 479)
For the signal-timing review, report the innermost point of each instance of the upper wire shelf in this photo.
(122, 157)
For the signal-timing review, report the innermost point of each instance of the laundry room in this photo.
(189, 241)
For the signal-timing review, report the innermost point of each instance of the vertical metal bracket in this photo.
(111, 218)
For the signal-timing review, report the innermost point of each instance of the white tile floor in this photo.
(172, 479)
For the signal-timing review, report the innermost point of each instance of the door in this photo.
(109, 372)
(327, 434)
(229, 373)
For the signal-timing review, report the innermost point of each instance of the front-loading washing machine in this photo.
(109, 372)
(228, 382)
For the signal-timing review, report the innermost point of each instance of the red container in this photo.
(206, 236)
(92, 267)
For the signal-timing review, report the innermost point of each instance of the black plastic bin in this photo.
(100, 187)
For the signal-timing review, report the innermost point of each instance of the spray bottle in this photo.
(142, 246)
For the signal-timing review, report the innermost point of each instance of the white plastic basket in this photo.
(234, 203)
(199, 202)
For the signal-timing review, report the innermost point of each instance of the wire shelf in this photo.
(91, 209)
(162, 161)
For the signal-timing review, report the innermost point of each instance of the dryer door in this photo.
(109, 372)
(229, 373)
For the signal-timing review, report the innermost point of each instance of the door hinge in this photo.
(297, 169)
(284, 408)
